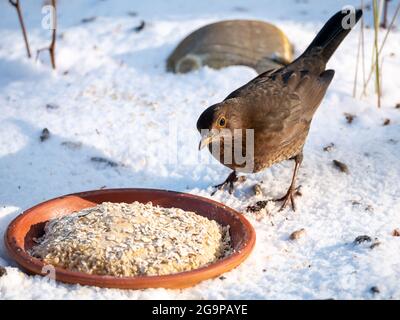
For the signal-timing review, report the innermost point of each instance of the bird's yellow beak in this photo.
(207, 138)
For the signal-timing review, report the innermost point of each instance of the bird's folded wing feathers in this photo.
(248, 87)
(283, 98)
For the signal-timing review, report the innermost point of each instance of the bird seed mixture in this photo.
(122, 239)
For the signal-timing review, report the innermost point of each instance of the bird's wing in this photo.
(309, 88)
(295, 104)
(287, 96)
(281, 104)
(248, 87)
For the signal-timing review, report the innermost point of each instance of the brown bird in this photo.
(278, 107)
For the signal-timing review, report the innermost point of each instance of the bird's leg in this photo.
(289, 196)
(232, 178)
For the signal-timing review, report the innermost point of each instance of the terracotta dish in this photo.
(30, 225)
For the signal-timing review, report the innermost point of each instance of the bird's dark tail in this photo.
(333, 33)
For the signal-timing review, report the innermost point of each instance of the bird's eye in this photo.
(222, 122)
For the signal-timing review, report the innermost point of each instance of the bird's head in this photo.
(219, 120)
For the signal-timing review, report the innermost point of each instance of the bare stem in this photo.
(16, 5)
(385, 13)
(357, 63)
(381, 47)
(52, 47)
(362, 43)
(376, 51)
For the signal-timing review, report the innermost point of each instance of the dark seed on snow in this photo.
(87, 20)
(329, 147)
(71, 145)
(44, 135)
(396, 233)
(349, 117)
(369, 208)
(375, 244)
(52, 106)
(222, 278)
(257, 189)
(240, 9)
(341, 166)
(258, 206)
(375, 290)
(104, 161)
(361, 239)
(386, 122)
(140, 27)
(298, 192)
(3, 271)
(297, 234)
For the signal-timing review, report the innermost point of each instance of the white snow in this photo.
(118, 101)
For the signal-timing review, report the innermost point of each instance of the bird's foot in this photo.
(230, 181)
(289, 198)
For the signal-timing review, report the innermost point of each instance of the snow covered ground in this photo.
(113, 99)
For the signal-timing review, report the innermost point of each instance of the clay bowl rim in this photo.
(173, 281)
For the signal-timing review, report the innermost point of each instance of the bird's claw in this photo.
(222, 185)
(230, 182)
(286, 199)
(289, 197)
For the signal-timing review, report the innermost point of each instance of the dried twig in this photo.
(360, 52)
(52, 46)
(357, 63)
(376, 51)
(381, 48)
(385, 13)
(16, 5)
(362, 43)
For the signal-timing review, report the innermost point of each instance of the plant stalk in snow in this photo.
(376, 51)
(52, 46)
(381, 47)
(16, 5)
